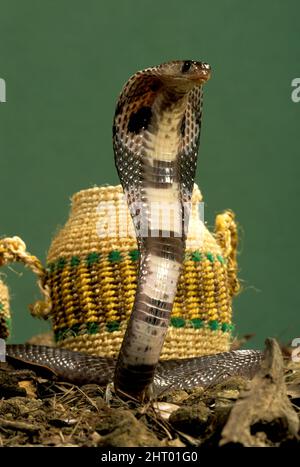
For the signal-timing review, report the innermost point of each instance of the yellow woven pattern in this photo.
(189, 343)
(203, 291)
(94, 225)
(179, 343)
(92, 277)
(227, 237)
(13, 249)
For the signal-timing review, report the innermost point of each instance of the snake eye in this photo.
(186, 66)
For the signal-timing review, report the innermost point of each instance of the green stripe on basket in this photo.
(134, 255)
(75, 261)
(197, 323)
(92, 258)
(116, 256)
(112, 326)
(177, 322)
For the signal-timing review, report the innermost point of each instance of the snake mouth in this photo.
(202, 77)
(201, 74)
(185, 83)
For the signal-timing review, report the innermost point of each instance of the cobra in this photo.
(156, 134)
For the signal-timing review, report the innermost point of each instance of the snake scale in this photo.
(156, 133)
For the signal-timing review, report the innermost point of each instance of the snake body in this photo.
(81, 368)
(156, 133)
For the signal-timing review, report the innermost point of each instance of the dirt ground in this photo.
(36, 411)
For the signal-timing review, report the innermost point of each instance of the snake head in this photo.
(183, 75)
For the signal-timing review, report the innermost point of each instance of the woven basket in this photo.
(92, 279)
(12, 250)
(5, 319)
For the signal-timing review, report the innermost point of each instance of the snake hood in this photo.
(168, 82)
(156, 131)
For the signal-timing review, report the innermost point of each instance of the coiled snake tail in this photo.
(81, 368)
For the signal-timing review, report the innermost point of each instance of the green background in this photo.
(65, 62)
